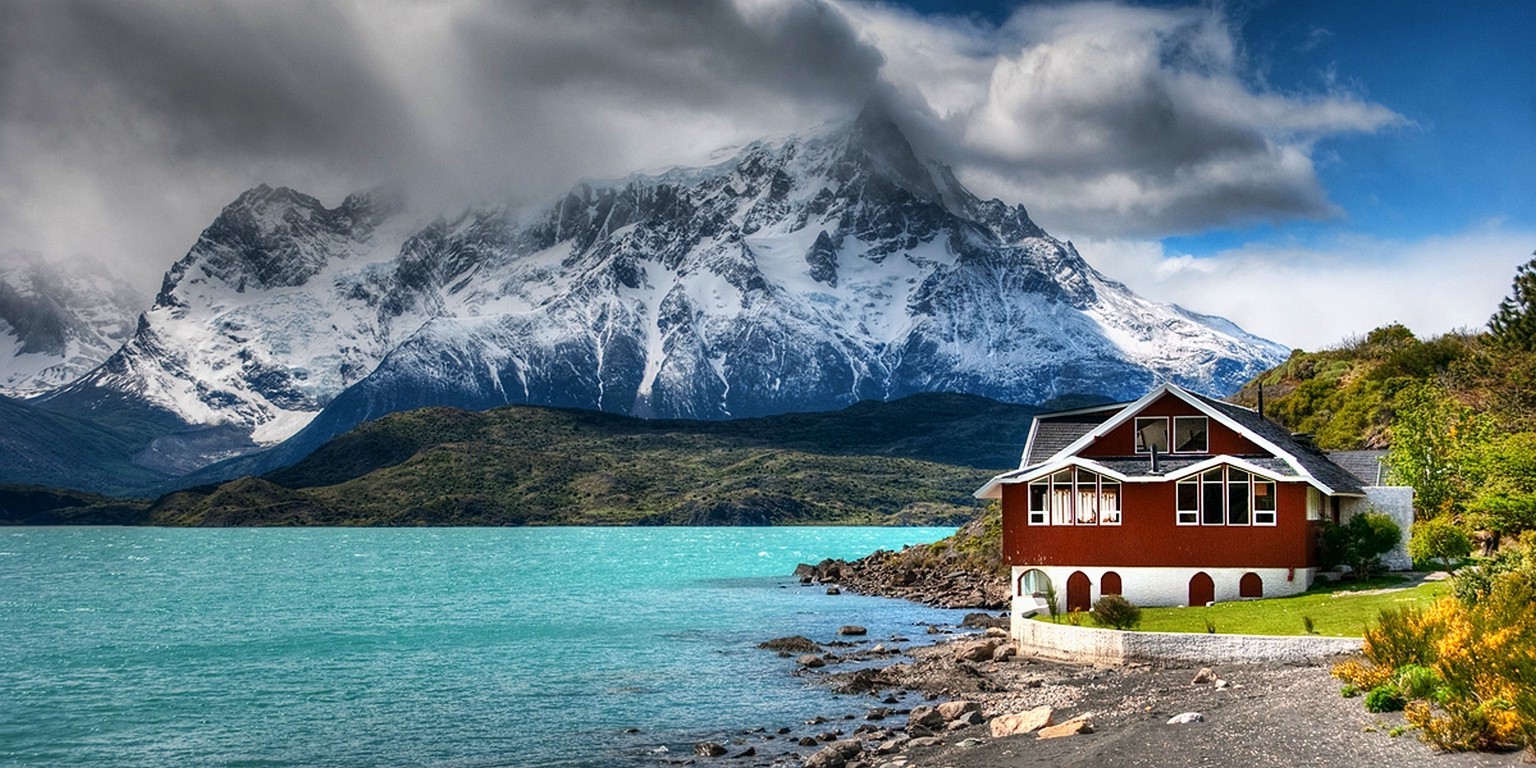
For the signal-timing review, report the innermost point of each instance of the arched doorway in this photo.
(1202, 589)
(1110, 584)
(1079, 592)
(1251, 585)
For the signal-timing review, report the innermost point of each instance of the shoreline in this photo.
(1276, 714)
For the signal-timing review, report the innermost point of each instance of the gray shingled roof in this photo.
(1366, 466)
(1055, 431)
(1314, 460)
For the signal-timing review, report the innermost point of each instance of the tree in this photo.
(1514, 324)
(1429, 430)
(1439, 539)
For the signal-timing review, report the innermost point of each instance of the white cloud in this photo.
(1315, 297)
(1113, 120)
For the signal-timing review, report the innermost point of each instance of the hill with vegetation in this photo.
(911, 461)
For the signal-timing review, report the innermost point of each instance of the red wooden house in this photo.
(1174, 499)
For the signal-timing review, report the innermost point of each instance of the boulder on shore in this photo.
(791, 644)
(1017, 723)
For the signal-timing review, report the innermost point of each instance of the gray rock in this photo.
(852, 630)
(1186, 718)
(708, 749)
(810, 661)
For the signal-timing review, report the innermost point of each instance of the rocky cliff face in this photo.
(804, 274)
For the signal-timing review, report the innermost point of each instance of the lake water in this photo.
(449, 647)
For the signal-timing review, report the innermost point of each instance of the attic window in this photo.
(1151, 433)
(1190, 434)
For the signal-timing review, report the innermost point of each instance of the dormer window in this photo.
(1190, 434)
(1151, 433)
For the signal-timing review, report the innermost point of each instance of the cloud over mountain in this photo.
(1106, 119)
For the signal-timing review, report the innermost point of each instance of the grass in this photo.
(1336, 610)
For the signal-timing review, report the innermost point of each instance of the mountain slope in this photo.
(801, 275)
(58, 321)
(873, 463)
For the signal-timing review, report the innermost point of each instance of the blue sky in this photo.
(1308, 169)
(1449, 188)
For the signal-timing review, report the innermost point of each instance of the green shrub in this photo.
(1349, 691)
(1116, 612)
(1384, 698)
(1360, 542)
(1418, 682)
(1439, 539)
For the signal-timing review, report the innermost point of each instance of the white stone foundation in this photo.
(1160, 586)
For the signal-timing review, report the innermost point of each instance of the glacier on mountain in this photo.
(801, 274)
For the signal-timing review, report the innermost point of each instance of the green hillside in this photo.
(911, 461)
(52, 448)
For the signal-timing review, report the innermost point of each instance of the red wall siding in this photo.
(1121, 441)
(1148, 535)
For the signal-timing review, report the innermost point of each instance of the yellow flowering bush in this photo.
(1482, 693)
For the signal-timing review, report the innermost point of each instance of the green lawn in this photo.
(1339, 610)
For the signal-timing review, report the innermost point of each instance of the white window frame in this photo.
(1136, 438)
(1104, 513)
(1180, 512)
(1045, 512)
(1226, 476)
(1222, 484)
(1173, 437)
(1274, 497)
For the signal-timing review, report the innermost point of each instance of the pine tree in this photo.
(1514, 324)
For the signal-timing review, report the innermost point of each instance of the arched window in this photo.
(1110, 583)
(1251, 585)
(1034, 583)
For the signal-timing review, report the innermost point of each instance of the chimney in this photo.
(1155, 465)
(1261, 399)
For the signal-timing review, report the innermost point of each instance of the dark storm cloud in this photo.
(124, 126)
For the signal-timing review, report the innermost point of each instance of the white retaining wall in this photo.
(1394, 501)
(1065, 642)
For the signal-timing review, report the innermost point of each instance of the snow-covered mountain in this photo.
(802, 274)
(58, 320)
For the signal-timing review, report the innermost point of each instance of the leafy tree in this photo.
(1427, 446)
(1439, 539)
(1514, 324)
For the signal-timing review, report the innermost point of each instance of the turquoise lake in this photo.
(447, 647)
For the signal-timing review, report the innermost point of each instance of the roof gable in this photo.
(1309, 462)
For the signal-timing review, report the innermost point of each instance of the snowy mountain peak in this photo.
(800, 274)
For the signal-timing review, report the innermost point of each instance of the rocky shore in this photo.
(962, 571)
(970, 701)
(963, 697)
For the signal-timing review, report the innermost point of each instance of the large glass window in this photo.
(1061, 498)
(1237, 497)
(1212, 510)
(1225, 496)
(1189, 501)
(1074, 497)
(1263, 502)
(1087, 498)
(1190, 434)
(1151, 432)
(1039, 495)
(1109, 502)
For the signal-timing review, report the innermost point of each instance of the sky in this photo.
(1307, 168)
